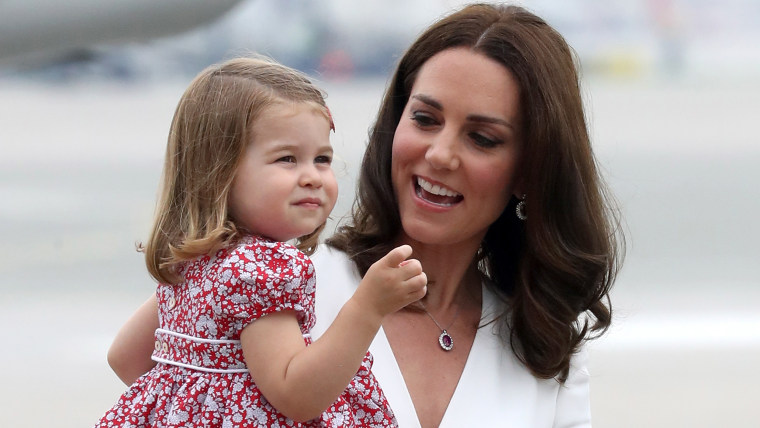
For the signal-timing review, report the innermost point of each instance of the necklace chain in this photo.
(436, 322)
(444, 340)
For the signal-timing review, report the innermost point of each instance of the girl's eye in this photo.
(423, 119)
(483, 141)
(323, 159)
(287, 159)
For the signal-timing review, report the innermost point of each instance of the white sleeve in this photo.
(573, 409)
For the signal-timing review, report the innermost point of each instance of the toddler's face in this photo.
(284, 187)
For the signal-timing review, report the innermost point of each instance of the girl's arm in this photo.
(301, 382)
(129, 354)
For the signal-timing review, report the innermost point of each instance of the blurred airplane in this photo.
(34, 30)
(337, 38)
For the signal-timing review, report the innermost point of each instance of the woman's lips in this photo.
(435, 193)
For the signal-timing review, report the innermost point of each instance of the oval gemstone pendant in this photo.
(445, 341)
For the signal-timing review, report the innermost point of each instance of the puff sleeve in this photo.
(263, 277)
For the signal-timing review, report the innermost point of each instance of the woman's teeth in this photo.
(436, 189)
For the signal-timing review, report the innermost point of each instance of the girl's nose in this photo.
(442, 152)
(310, 176)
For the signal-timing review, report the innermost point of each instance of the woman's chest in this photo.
(481, 385)
(430, 372)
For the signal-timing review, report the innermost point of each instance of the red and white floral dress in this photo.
(200, 379)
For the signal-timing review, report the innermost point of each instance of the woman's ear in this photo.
(518, 191)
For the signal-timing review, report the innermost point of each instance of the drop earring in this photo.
(520, 210)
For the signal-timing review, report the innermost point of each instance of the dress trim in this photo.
(197, 339)
(201, 354)
(199, 368)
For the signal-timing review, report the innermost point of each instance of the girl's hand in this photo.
(391, 283)
(301, 381)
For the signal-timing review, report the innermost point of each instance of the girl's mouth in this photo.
(309, 203)
(435, 193)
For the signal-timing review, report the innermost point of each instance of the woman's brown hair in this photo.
(208, 136)
(555, 269)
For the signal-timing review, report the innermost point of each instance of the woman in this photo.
(480, 160)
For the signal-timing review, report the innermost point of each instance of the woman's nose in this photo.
(442, 152)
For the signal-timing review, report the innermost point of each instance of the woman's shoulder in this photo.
(330, 256)
(335, 270)
(337, 279)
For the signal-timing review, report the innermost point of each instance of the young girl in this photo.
(247, 168)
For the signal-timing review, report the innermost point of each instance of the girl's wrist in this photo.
(363, 313)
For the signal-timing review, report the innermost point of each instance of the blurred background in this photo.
(88, 89)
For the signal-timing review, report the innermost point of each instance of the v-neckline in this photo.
(388, 373)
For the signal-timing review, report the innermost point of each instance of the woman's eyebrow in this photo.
(432, 102)
(489, 119)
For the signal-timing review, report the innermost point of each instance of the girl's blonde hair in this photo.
(208, 136)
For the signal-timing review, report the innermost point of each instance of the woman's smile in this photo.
(436, 193)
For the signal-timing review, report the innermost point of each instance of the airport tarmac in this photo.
(79, 166)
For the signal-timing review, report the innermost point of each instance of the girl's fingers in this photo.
(410, 268)
(423, 282)
(417, 282)
(397, 256)
(418, 287)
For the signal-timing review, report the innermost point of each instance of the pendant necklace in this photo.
(445, 339)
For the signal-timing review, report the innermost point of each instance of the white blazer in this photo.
(495, 389)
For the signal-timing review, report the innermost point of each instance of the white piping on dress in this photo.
(201, 340)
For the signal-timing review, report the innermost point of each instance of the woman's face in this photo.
(457, 148)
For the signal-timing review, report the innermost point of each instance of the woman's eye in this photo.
(483, 141)
(423, 119)
(323, 159)
(287, 159)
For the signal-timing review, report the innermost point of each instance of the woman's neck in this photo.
(453, 277)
